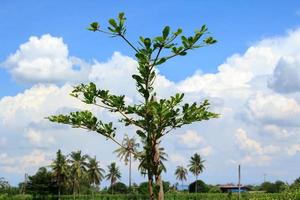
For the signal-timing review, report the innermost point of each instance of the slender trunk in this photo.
(93, 192)
(58, 184)
(158, 180)
(130, 171)
(150, 186)
(111, 186)
(182, 185)
(74, 190)
(196, 184)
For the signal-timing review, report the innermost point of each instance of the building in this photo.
(233, 188)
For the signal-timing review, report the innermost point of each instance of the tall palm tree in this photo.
(78, 169)
(113, 174)
(128, 149)
(196, 166)
(60, 170)
(181, 174)
(94, 172)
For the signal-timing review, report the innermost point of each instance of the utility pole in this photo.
(239, 181)
(25, 184)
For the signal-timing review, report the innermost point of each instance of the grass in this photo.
(175, 196)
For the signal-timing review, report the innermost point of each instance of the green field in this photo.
(245, 196)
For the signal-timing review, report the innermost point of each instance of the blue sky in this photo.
(235, 24)
(251, 77)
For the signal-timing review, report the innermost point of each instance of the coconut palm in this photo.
(78, 167)
(94, 172)
(60, 170)
(113, 174)
(127, 151)
(181, 173)
(4, 183)
(196, 166)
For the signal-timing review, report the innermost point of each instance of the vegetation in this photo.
(181, 174)
(129, 146)
(113, 175)
(152, 117)
(196, 166)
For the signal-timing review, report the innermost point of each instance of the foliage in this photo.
(113, 175)
(153, 117)
(201, 187)
(118, 188)
(41, 183)
(276, 187)
(181, 173)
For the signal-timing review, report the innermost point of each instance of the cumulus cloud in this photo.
(286, 76)
(28, 162)
(274, 108)
(246, 84)
(45, 60)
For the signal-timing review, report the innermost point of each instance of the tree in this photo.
(199, 187)
(41, 184)
(129, 146)
(196, 166)
(181, 174)
(60, 170)
(4, 184)
(119, 188)
(78, 167)
(152, 117)
(113, 175)
(94, 172)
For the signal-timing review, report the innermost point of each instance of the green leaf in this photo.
(113, 23)
(166, 32)
(94, 26)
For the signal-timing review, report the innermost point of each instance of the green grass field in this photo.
(204, 196)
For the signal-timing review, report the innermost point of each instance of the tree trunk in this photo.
(58, 184)
(150, 186)
(196, 184)
(130, 171)
(158, 180)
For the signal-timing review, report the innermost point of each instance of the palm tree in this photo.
(94, 172)
(196, 166)
(113, 174)
(78, 169)
(60, 170)
(181, 173)
(125, 152)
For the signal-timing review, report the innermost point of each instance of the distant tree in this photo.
(78, 165)
(4, 185)
(95, 173)
(199, 187)
(127, 151)
(276, 187)
(196, 166)
(41, 184)
(181, 174)
(113, 175)
(119, 188)
(152, 117)
(60, 170)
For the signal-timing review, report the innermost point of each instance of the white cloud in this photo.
(293, 150)
(240, 85)
(45, 60)
(177, 158)
(28, 162)
(190, 139)
(274, 108)
(286, 77)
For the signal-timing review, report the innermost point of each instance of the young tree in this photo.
(60, 170)
(196, 166)
(78, 165)
(153, 118)
(113, 175)
(94, 172)
(125, 154)
(181, 174)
